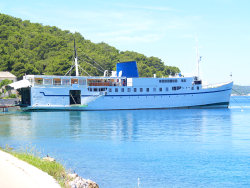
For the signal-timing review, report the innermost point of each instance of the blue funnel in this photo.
(129, 69)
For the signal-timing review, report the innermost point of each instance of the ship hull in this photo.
(218, 97)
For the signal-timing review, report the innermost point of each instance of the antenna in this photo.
(76, 63)
(198, 59)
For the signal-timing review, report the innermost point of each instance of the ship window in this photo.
(90, 89)
(102, 89)
(141, 89)
(176, 88)
(134, 89)
(147, 89)
(169, 81)
(90, 82)
(57, 81)
(122, 89)
(166, 88)
(183, 80)
(198, 87)
(129, 89)
(160, 89)
(124, 82)
(74, 81)
(116, 89)
(65, 81)
(48, 81)
(39, 81)
(154, 89)
(196, 82)
(82, 82)
(110, 89)
(192, 88)
(95, 89)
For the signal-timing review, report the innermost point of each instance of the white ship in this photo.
(124, 89)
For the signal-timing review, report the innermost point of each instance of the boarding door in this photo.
(75, 97)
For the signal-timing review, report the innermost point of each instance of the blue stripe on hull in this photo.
(141, 94)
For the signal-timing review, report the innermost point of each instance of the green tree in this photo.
(5, 82)
(31, 48)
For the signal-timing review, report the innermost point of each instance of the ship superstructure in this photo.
(124, 89)
(43, 92)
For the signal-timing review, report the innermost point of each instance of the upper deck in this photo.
(68, 81)
(82, 81)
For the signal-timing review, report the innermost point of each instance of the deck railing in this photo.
(214, 85)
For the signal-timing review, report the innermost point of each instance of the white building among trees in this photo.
(5, 79)
(7, 75)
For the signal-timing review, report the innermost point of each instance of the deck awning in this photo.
(20, 84)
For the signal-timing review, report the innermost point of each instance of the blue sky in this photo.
(163, 28)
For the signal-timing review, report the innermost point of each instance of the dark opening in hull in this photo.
(75, 97)
(25, 93)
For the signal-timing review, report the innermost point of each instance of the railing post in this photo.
(5, 109)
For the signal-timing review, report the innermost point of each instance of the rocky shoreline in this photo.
(74, 180)
(79, 182)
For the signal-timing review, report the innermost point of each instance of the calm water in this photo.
(164, 148)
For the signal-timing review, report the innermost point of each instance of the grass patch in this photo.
(54, 169)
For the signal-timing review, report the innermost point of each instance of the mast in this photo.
(198, 63)
(76, 63)
(198, 59)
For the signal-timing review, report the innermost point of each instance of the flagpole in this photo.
(198, 60)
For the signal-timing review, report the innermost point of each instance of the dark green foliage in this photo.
(31, 48)
(12, 96)
(5, 83)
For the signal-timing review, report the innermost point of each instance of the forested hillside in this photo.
(31, 48)
(241, 90)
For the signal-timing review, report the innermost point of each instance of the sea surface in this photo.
(142, 148)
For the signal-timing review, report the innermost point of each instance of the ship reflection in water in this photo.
(122, 125)
(180, 148)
